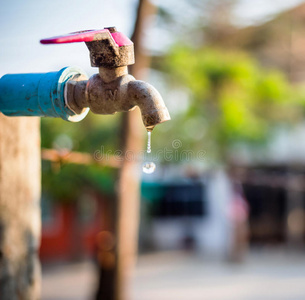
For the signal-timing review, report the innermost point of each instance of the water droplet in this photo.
(149, 167)
(148, 141)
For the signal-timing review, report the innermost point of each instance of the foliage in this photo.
(87, 135)
(231, 98)
(65, 182)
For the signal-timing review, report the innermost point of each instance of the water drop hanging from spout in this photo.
(148, 141)
(148, 167)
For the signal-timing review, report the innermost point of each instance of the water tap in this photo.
(69, 93)
(112, 89)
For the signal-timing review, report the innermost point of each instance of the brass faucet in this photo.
(112, 90)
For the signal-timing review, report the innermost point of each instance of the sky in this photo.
(24, 23)
(250, 12)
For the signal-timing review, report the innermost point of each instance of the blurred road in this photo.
(178, 276)
(74, 281)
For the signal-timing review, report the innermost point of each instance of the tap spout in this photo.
(150, 102)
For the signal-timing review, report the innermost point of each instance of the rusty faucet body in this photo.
(113, 90)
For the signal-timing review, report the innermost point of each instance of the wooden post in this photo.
(19, 208)
(114, 281)
(133, 131)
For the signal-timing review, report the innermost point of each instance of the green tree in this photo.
(231, 98)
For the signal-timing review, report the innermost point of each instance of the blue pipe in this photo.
(38, 94)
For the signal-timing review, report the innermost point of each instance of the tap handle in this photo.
(89, 36)
(108, 47)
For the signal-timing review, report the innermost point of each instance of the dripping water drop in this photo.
(148, 141)
(148, 167)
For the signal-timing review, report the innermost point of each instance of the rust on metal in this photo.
(105, 53)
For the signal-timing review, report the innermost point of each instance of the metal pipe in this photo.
(69, 93)
(39, 94)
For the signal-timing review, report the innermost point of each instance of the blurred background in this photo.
(222, 216)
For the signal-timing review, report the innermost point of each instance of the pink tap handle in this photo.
(88, 36)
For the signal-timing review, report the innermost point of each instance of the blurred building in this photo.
(206, 214)
(189, 213)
